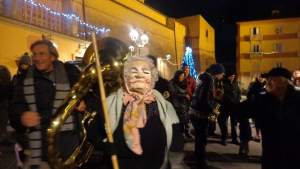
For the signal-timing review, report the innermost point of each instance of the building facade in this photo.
(69, 24)
(265, 44)
(201, 38)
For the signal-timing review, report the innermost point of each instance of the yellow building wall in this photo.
(118, 16)
(267, 28)
(203, 46)
(16, 40)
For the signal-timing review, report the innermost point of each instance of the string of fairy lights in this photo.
(70, 16)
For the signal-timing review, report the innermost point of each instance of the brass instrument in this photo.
(113, 54)
(212, 116)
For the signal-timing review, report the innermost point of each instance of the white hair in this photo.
(131, 59)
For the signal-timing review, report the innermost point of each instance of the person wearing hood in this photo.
(180, 97)
(25, 62)
(231, 89)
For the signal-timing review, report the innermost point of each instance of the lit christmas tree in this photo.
(188, 59)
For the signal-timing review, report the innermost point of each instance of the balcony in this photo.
(256, 37)
(43, 17)
(256, 55)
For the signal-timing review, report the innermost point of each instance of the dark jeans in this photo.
(223, 123)
(200, 126)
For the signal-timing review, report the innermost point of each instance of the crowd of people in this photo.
(149, 115)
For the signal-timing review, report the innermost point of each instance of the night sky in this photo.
(222, 15)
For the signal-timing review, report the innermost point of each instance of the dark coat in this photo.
(254, 90)
(179, 101)
(44, 95)
(4, 83)
(203, 99)
(279, 124)
(232, 89)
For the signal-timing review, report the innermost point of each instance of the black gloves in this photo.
(110, 149)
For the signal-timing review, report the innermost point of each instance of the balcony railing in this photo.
(256, 37)
(256, 55)
(38, 16)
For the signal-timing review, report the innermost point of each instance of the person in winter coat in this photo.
(4, 96)
(255, 90)
(278, 111)
(179, 98)
(297, 83)
(191, 86)
(37, 96)
(232, 89)
(204, 104)
(142, 122)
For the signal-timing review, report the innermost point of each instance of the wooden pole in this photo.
(103, 100)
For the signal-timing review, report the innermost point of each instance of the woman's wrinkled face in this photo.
(296, 74)
(181, 77)
(140, 77)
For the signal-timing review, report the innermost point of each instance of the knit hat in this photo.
(216, 69)
(25, 59)
(229, 73)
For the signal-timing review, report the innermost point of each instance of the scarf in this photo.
(60, 81)
(135, 117)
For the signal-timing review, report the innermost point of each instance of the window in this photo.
(255, 67)
(278, 29)
(206, 33)
(279, 47)
(254, 31)
(279, 64)
(255, 48)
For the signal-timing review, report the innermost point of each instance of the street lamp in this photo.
(134, 35)
(168, 57)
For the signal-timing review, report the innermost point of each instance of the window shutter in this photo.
(251, 31)
(282, 47)
(257, 30)
(283, 65)
(259, 46)
(251, 48)
(275, 47)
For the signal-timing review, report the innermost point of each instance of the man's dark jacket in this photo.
(44, 96)
(279, 124)
(203, 99)
(232, 89)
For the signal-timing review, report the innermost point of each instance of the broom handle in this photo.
(114, 158)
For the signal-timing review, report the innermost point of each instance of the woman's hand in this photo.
(81, 106)
(187, 96)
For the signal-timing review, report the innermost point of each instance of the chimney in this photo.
(275, 13)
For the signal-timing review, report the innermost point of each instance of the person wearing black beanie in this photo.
(232, 89)
(202, 106)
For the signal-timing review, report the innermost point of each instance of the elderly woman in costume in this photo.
(143, 123)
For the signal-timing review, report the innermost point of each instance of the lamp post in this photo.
(134, 35)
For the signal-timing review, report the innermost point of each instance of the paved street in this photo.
(220, 157)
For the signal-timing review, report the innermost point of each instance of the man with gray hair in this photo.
(37, 96)
(278, 111)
